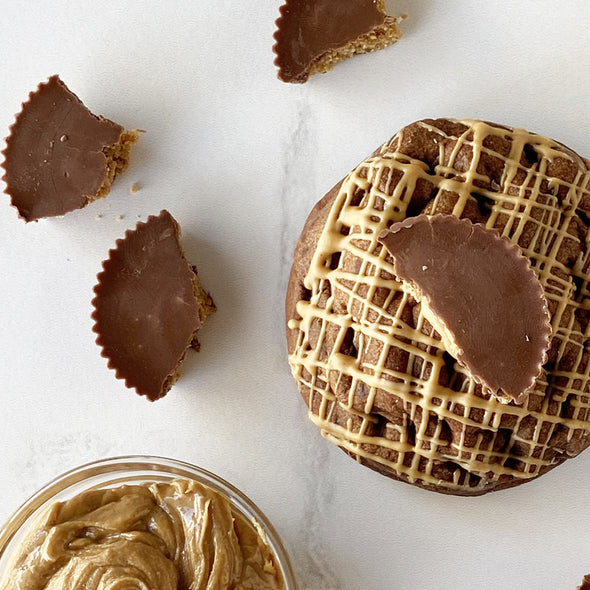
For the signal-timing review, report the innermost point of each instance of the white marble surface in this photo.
(239, 159)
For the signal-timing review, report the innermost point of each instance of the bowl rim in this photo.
(30, 509)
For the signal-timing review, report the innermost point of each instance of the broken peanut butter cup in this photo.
(149, 306)
(482, 296)
(313, 35)
(59, 156)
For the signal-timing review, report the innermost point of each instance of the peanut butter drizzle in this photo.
(513, 200)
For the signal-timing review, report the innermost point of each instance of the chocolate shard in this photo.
(149, 306)
(585, 583)
(313, 35)
(59, 156)
(482, 296)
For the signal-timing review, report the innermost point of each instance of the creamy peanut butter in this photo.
(160, 536)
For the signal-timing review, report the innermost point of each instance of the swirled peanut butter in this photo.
(160, 536)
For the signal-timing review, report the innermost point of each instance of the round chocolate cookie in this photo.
(375, 374)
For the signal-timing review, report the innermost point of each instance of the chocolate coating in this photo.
(146, 309)
(53, 159)
(484, 293)
(585, 583)
(310, 28)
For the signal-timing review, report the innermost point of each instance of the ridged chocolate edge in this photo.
(96, 290)
(517, 251)
(11, 130)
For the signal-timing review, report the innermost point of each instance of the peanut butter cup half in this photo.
(59, 156)
(149, 306)
(481, 295)
(314, 35)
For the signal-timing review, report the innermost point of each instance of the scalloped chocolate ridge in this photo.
(59, 156)
(149, 306)
(313, 35)
(481, 295)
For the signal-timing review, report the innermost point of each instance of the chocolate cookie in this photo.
(375, 374)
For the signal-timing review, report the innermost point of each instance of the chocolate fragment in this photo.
(481, 295)
(313, 35)
(149, 306)
(585, 583)
(59, 156)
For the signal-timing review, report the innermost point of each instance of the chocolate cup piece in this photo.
(54, 158)
(311, 30)
(149, 306)
(481, 295)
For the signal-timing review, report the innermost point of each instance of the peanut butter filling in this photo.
(158, 536)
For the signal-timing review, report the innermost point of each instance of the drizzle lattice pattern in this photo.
(373, 371)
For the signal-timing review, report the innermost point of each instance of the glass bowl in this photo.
(135, 469)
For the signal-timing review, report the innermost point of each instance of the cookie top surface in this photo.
(54, 161)
(145, 309)
(376, 377)
(307, 29)
(480, 294)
